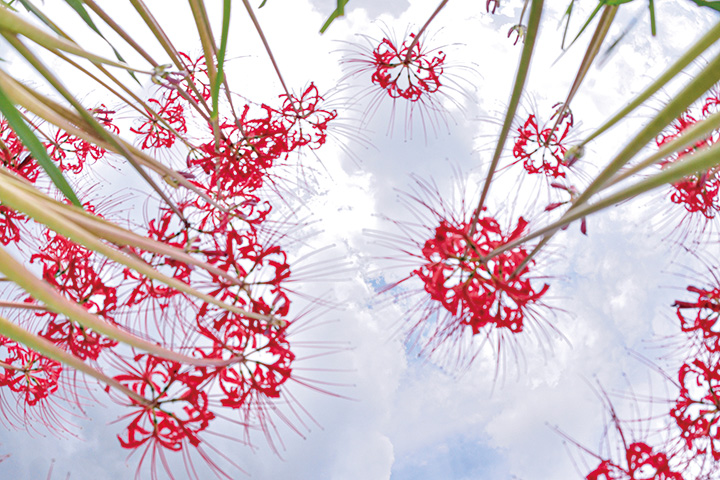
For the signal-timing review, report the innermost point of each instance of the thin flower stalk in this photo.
(536, 9)
(686, 59)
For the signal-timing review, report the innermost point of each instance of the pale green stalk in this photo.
(700, 161)
(111, 232)
(422, 31)
(90, 120)
(689, 56)
(520, 78)
(15, 198)
(691, 135)
(590, 54)
(44, 293)
(45, 347)
(119, 30)
(268, 50)
(13, 24)
(54, 113)
(701, 83)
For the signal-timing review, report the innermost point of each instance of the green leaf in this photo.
(263, 4)
(221, 58)
(339, 12)
(653, 27)
(78, 7)
(714, 4)
(35, 146)
(85, 16)
(568, 14)
(590, 19)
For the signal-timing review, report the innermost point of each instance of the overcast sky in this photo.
(407, 418)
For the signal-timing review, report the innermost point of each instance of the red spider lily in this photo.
(697, 409)
(261, 269)
(263, 354)
(11, 155)
(176, 414)
(197, 76)
(76, 339)
(642, 464)
(238, 164)
(407, 76)
(156, 135)
(478, 292)
(177, 411)
(72, 152)
(246, 207)
(28, 373)
(306, 123)
(70, 268)
(706, 311)
(10, 224)
(541, 149)
(696, 193)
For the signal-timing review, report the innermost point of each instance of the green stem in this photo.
(690, 136)
(688, 57)
(45, 347)
(32, 206)
(590, 54)
(90, 120)
(422, 30)
(700, 161)
(520, 78)
(269, 51)
(12, 24)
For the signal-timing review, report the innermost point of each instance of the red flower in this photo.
(12, 155)
(642, 464)
(706, 310)
(263, 354)
(697, 409)
(238, 164)
(26, 372)
(177, 412)
(306, 123)
(477, 292)
(72, 270)
(540, 149)
(698, 193)
(407, 74)
(10, 221)
(155, 134)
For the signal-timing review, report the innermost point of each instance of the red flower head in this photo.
(28, 373)
(407, 71)
(642, 464)
(703, 316)
(177, 411)
(697, 409)
(306, 123)
(698, 193)
(542, 150)
(476, 291)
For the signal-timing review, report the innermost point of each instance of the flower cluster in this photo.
(541, 149)
(479, 292)
(641, 463)
(698, 193)
(219, 225)
(407, 71)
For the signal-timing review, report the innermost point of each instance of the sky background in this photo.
(402, 417)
